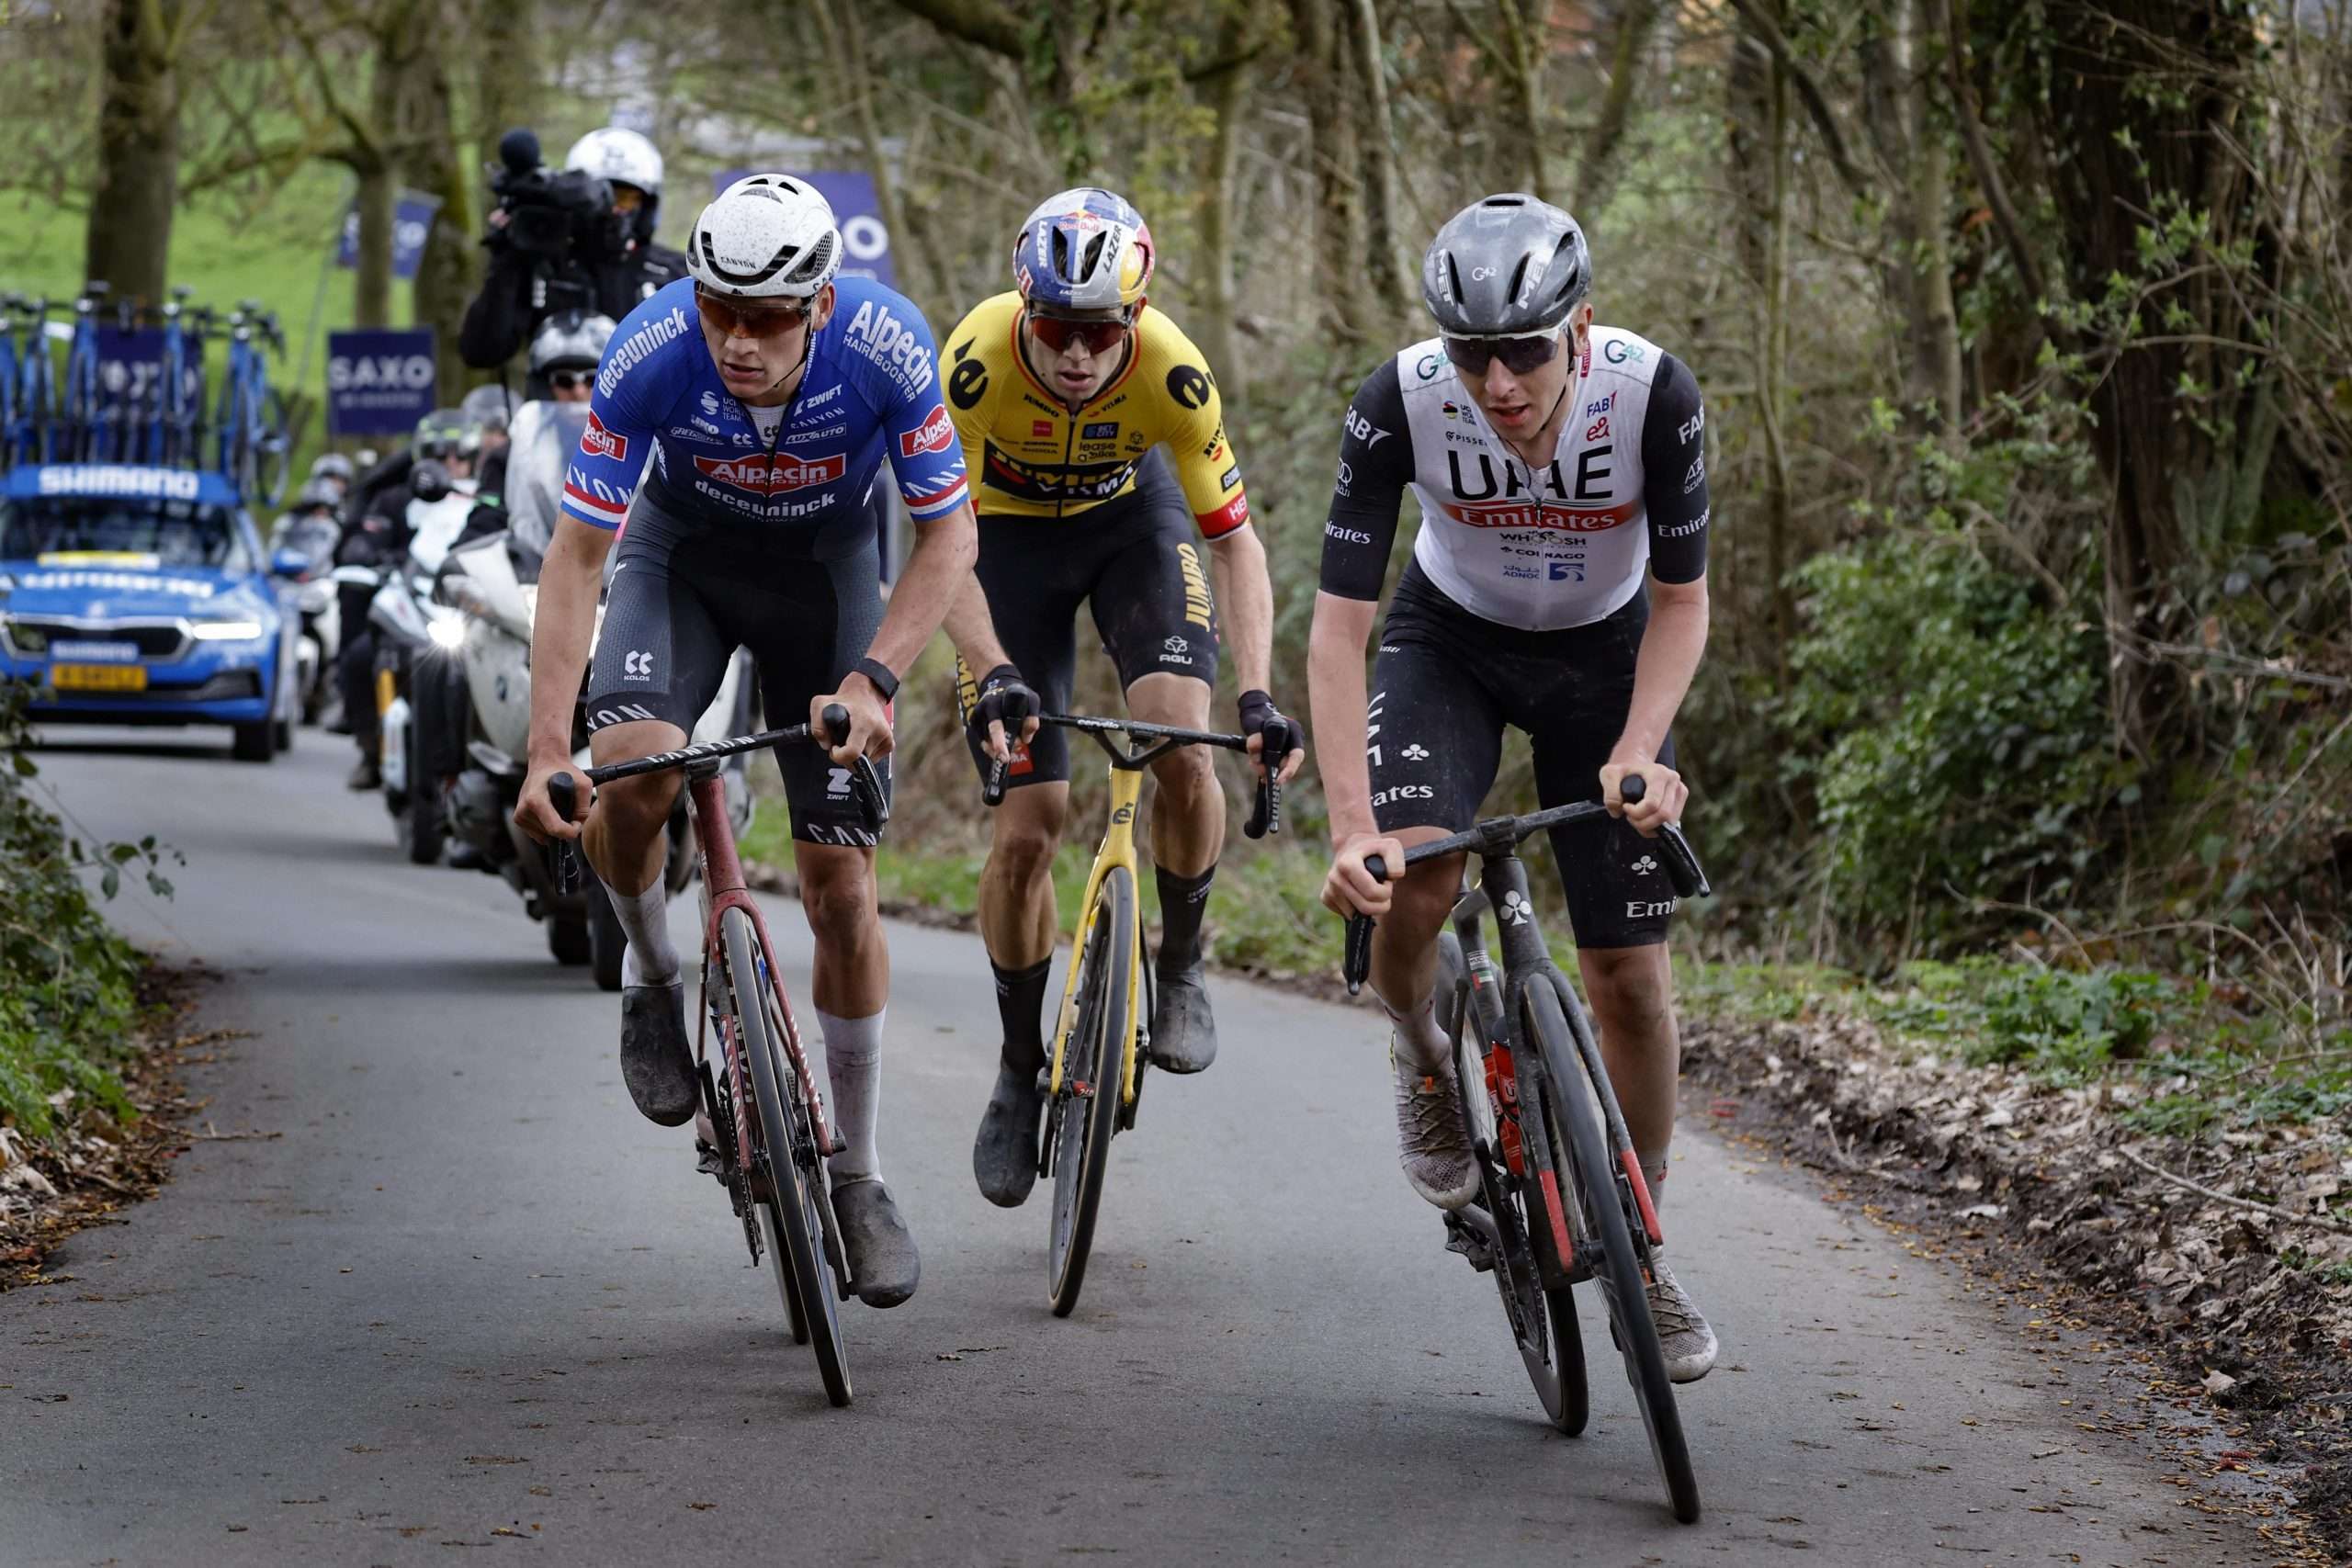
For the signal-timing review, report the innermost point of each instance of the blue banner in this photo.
(866, 244)
(412, 221)
(129, 364)
(379, 382)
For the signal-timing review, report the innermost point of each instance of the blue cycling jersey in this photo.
(872, 386)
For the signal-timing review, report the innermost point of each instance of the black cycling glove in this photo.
(1004, 698)
(1281, 734)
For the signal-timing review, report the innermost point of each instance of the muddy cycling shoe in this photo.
(1431, 1145)
(1687, 1344)
(367, 774)
(656, 1062)
(882, 1256)
(1004, 1156)
(1183, 1033)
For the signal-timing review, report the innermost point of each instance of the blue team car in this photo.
(131, 594)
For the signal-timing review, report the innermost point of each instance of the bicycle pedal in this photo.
(706, 1160)
(1460, 1238)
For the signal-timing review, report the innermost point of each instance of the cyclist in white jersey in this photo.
(1558, 586)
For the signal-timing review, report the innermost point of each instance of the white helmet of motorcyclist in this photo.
(619, 155)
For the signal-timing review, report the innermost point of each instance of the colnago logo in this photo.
(761, 477)
(896, 345)
(595, 441)
(937, 435)
(639, 345)
(113, 478)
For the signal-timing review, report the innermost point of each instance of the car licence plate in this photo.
(98, 677)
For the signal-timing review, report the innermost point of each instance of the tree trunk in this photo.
(1635, 24)
(506, 74)
(1915, 163)
(371, 303)
(845, 44)
(1759, 140)
(1321, 67)
(129, 239)
(449, 270)
(1226, 94)
(1379, 149)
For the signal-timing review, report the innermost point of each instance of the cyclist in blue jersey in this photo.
(756, 400)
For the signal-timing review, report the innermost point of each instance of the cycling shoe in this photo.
(1183, 1032)
(882, 1258)
(656, 1062)
(1004, 1156)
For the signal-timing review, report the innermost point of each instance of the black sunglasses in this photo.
(1471, 355)
(564, 381)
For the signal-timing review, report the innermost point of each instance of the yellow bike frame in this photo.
(1118, 849)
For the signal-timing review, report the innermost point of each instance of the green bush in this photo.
(68, 982)
(1952, 727)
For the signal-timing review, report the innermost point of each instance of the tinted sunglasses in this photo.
(738, 320)
(1059, 332)
(1471, 355)
(565, 381)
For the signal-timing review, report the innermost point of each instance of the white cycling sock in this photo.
(852, 1052)
(645, 919)
(1421, 1043)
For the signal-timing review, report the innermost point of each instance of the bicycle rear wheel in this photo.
(1572, 1120)
(1093, 1083)
(785, 1157)
(1542, 1322)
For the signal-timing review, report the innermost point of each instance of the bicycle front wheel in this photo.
(787, 1159)
(1572, 1122)
(1086, 1113)
(1542, 1322)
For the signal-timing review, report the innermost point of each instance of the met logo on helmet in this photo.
(595, 441)
(763, 477)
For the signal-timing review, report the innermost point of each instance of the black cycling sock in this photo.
(1182, 901)
(1020, 1003)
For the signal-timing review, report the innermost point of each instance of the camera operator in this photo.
(580, 240)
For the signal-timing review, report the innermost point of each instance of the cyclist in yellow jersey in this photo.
(1064, 393)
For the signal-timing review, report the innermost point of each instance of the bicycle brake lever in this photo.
(992, 785)
(1682, 868)
(1266, 816)
(1355, 960)
(873, 800)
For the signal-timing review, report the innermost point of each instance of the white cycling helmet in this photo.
(569, 340)
(767, 236)
(613, 153)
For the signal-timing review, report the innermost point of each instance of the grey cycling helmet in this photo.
(333, 466)
(486, 406)
(569, 340)
(1507, 266)
(317, 492)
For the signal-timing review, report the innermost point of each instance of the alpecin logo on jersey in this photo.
(937, 435)
(595, 441)
(761, 477)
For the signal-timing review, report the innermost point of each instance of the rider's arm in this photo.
(1376, 465)
(1674, 493)
(563, 629)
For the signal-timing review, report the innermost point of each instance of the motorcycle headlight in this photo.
(313, 599)
(226, 631)
(448, 632)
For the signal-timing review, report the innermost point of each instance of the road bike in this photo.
(32, 426)
(1093, 1074)
(1562, 1199)
(766, 1112)
(254, 448)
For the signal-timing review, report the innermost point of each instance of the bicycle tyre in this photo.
(1571, 1119)
(1542, 1322)
(1096, 1056)
(788, 1212)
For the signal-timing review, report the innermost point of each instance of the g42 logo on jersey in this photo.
(937, 435)
(595, 441)
(760, 476)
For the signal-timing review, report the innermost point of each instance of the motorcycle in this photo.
(415, 631)
(493, 583)
(314, 537)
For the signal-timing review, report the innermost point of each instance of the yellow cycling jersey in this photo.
(1030, 455)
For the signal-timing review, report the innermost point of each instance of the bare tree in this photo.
(130, 234)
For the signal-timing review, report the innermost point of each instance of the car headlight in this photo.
(449, 633)
(226, 631)
(22, 638)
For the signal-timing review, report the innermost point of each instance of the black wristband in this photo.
(879, 673)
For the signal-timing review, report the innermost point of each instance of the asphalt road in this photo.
(452, 1292)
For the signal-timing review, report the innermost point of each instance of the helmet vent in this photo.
(1093, 257)
(1454, 275)
(1518, 276)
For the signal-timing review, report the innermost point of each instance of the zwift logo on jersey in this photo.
(937, 435)
(877, 333)
(595, 441)
(640, 345)
(761, 477)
